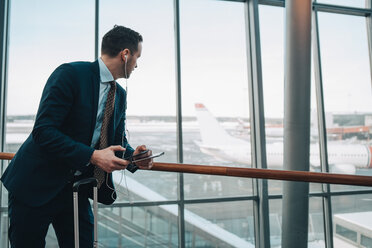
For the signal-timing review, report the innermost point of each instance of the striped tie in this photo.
(103, 139)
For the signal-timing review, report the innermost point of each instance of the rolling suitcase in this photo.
(75, 190)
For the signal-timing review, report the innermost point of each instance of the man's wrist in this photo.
(93, 158)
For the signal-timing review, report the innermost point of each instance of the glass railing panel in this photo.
(315, 228)
(154, 226)
(222, 224)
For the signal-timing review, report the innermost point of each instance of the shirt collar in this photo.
(104, 73)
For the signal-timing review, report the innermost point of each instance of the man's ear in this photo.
(125, 53)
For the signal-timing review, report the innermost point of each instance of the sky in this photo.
(45, 34)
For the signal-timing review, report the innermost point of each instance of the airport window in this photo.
(44, 34)
(214, 80)
(343, 45)
(271, 21)
(153, 123)
(54, 36)
(217, 85)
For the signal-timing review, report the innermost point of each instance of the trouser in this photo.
(29, 225)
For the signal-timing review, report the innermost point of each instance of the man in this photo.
(78, 133)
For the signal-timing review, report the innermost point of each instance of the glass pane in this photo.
(316, 224)
(4, 192)
(151, 93)
(44, 34)
(272, 52)
(215, 90)
(4, 220)
(50, 34)
(211, 225)
(351, 220)
(347, 93)
(138, 226)
(348, 3)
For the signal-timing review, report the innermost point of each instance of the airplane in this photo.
(334, 133)
(217, 142)
(274, 130)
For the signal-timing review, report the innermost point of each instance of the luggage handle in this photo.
(75, 189)
(90, 180)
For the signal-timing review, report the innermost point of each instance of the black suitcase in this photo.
(75, 190)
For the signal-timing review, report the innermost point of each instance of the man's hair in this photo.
(118, 39)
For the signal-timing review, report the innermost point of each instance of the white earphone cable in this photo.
(122, 143)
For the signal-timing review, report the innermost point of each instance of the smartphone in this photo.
(148, 157)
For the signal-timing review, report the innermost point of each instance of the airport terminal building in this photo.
(273, 85)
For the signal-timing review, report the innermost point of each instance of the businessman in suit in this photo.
(78, 133)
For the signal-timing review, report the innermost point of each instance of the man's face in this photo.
(131, 61)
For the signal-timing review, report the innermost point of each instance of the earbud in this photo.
(126, 56)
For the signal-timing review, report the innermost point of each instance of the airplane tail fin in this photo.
(212, 133)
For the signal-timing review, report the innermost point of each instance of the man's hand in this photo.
(145, 164)
(106, 159)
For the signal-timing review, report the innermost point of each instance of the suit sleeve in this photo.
(55, 105)
(121, 139)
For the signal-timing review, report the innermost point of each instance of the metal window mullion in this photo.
(257, 120)
(181, 197)
(279, 3)
(326, 199)
(238, 1)
(4, 36)
(337, 9)
(369, 34)
(96, 29)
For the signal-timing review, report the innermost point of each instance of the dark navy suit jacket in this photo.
(59, 144)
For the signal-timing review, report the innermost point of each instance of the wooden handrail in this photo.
(6, 156)
(300, 176)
